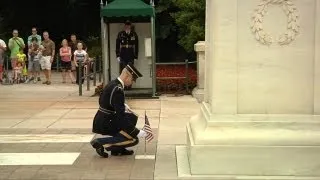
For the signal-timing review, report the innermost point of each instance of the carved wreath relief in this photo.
(293, 25)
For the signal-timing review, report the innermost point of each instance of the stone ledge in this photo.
(256, 130)
(185, 173)
(251, 158)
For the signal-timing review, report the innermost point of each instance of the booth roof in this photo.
(127, 8)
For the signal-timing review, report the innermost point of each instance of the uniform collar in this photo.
(122, 83)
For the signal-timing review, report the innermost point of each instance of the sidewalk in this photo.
(40, 110)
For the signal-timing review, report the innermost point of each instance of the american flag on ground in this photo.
(147, 128)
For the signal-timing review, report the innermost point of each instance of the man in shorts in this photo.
(47, 57)
(15, 44)
(3, 48)
(34, 53)
(35, 34)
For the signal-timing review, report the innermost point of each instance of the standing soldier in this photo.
(127, 46)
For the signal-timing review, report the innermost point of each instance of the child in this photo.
(21, 57)
(80, 55)
(18, 72)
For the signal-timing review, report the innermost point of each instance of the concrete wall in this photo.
(276, 79)
(251, 78)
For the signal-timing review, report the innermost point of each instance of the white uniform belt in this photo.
(106, 111)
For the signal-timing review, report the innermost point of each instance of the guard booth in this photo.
(142, 16)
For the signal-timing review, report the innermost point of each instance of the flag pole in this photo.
(145, 138)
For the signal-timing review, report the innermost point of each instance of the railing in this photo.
(186, 77)
(96, 65)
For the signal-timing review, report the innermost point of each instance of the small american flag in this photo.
(147, 129)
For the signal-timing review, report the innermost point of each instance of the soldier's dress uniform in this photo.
(127, 47)
(111, 119)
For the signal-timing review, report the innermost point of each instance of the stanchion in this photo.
(88, 76)
(187, 75)
(80, 77)
(100, 70)
(95, 72)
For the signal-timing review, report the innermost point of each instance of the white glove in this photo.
(135, 60)
(118, 58)
(127, 107)
(142, 134)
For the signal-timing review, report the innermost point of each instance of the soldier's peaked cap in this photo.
(127, 22)
(132, 70)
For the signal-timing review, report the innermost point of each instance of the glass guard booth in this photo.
(142, 16)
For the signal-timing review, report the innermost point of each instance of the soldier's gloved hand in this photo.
(127, 107)
(142, 134)
(135, 60)
(118, 58)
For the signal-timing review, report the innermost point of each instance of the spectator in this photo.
(21, 57)
(39, 39)
(34, 53)
(3, 48)
(18, 72)
(80, 55)
(65, 54)
(73, 44)
(15, 43)
(47, 56)
(34, 35)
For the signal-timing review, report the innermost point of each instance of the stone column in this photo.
(199, 90)
(260, 117)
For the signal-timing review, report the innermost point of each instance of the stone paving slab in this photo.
(58, 109)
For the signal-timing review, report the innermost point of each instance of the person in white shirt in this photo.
(80, 55)
(3, 48)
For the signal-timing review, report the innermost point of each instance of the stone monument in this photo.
(198, 92)
(260, 115)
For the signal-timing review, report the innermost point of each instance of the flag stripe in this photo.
(147, 129)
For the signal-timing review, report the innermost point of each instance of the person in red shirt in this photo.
(65, 54)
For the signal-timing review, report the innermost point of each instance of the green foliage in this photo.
(165, 24)
(191, 22)
(94, 46)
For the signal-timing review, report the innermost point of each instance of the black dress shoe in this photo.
(123, 152)
(99, 148)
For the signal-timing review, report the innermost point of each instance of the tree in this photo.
(191, 22)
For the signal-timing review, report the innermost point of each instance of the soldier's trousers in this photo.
(118, 142)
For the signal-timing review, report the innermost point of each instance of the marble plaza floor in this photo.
(45, 133)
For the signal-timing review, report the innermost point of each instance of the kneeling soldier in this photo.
(113, 120)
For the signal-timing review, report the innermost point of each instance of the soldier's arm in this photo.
(136, 46)
(117, 101)
(118, 45)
